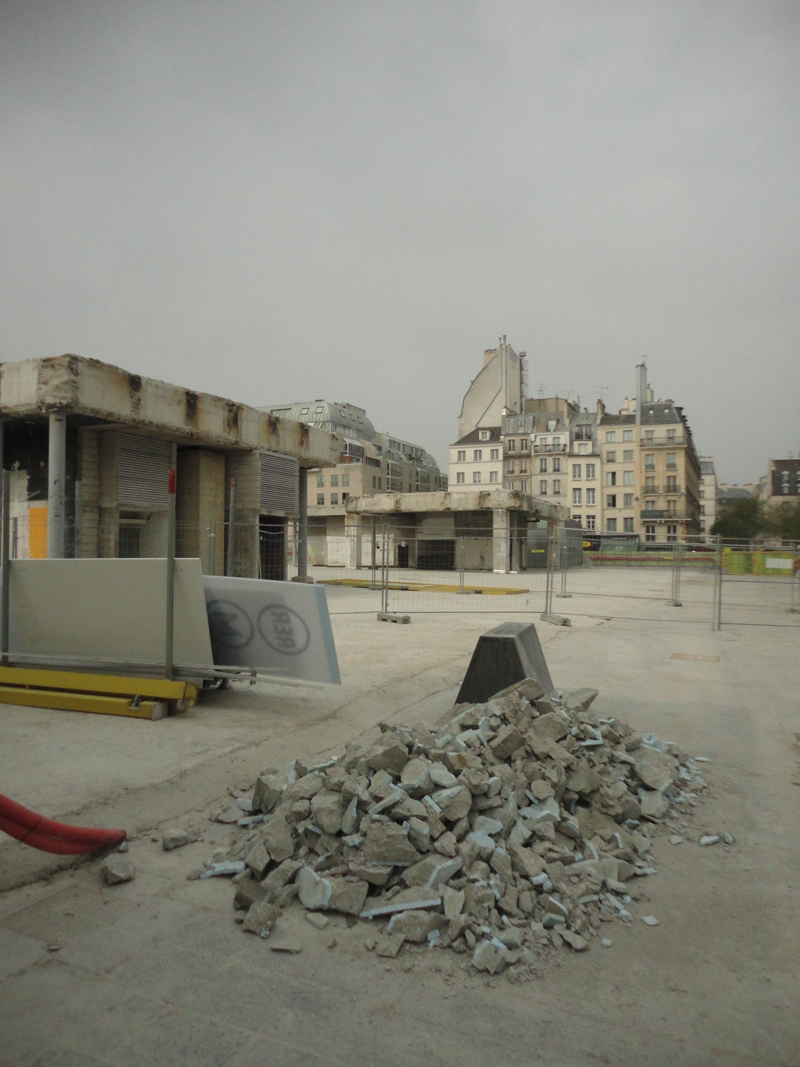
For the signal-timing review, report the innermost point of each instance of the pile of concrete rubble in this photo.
(512, 822)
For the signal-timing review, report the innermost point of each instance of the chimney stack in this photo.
(641, 389)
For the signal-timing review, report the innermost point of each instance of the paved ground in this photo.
(157, 972)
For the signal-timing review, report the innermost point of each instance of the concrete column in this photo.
(501, 540)
(352, 529)
(302, 524)
(56, 479)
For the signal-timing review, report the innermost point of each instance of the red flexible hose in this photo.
(49, 836)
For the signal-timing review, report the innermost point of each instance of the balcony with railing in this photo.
(541, 449)
(665, 515)
(670, 488)
(663, 442)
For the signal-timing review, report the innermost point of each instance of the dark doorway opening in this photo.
(272, 548)
(436, 555)
(402, 555)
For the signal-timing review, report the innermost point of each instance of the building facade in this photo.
(370, 463)
(708, 496)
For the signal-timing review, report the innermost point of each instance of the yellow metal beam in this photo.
(101, 705)
(109, 684)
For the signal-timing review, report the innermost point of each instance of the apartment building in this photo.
(585, 470)
(782, 482)
(708, 496)
(670, 474)
(620, 464)
(477, 460)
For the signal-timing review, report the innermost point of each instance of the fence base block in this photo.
(556, 620)
(385, 616)
(505, 655)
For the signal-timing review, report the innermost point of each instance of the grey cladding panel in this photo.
(279, 477)
(143, 473)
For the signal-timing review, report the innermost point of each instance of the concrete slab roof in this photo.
(469, 500)
(104, 394)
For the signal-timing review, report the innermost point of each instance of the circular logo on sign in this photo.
(283, 629)
(229, 625)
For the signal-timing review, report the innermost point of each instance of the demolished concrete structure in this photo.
(90, 447)
(476, 530)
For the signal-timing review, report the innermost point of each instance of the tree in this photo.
(741, 519)
(784, 521)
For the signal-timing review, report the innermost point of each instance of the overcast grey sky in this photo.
(277, 201)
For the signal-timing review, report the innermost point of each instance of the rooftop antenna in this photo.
(602, 389)
(541, 390)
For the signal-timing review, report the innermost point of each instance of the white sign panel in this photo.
(779, 564)
(280, 628)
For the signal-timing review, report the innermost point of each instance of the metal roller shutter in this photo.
(279, 477)
(143, 473)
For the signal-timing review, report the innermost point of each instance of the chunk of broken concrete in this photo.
(489, 957)
(454, 802)
(315, 892)
(389, 946)
(388, 754)
(415, 925)
(406, 900)
(655, 805)
(174, 837)
(277, 838)
(575, 941)
(346, 895)
(116, 869)
(261, 917)
(388, 843)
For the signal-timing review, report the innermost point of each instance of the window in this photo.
(494, 455)
(477, 455)
(557, 486)
(672, 483)
(628, 502)
(374, 482)
(576, 496)
(576, 472)
(590, 468)
(524, 444)
(319, 410)
(459, 477)
(543, 465)
(590, 522)
(576, 518)
(627, 525)
(484, 435)
(702, 494)
(334, 498)
(320, 481)
(590, 496)
(611, 477)
(649, 505)
(304, 411)
(649, 533)
(380, 483)
(476, 477)
(510, 466)
(320, 500)
(627, 455)
(543, 487)
(509, 485)
(648, 435)
(523, 486)
(672, 462)
(611, 525)
(523, 466)
(345, 479)
(670, 435)
(627, 478)
(551, 425)
(344, 497)
(650, 461)
(627, 435)
(334, 479)
(649, 485)
(556, 464)
(611, 435)
(672, 532)
(462, 457)
(511, 445)
(702, 509)
(492, 476)
(582, 450)
(611, 457)
(611, 500)
(556, 442)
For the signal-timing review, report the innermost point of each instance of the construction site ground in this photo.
(156, 971)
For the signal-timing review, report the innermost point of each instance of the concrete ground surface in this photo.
(156, 971)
